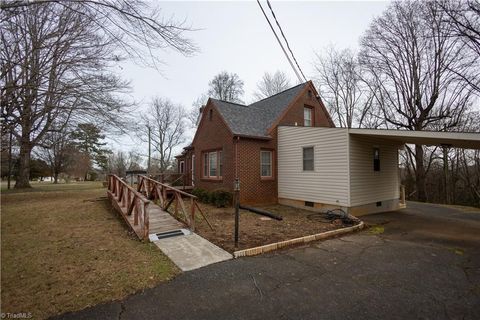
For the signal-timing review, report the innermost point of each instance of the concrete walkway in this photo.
(191, 251)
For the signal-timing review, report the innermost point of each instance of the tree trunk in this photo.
(23, 178)
(420, 174)
(55, 178)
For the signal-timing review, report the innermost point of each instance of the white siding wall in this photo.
(328, 183)
(367, 185)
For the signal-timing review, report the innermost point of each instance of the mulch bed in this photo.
(256, 230)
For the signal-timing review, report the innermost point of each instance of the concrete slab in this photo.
(191, 252)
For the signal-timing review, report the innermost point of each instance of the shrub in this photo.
(219, 198)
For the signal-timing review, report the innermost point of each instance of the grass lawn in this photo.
(63, 249)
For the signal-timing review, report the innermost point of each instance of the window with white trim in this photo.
(307, 116)
(220, 163)
(212, 164)
(265, 163)
(205, 164)
(308, 159)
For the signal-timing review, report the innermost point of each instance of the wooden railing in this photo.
(166, 195)
(130, 202)
(171, 178)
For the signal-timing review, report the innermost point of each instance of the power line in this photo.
(285, 38)
(280, 43)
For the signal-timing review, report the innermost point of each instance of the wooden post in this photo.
(164, 195)
(135, 213)
(237, 208)
(146, 220)
(192, 210)
(445, 174)
(131, 205)
(176, 203)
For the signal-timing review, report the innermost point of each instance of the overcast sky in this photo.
(234, 36)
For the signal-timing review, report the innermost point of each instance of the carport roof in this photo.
(465, 140)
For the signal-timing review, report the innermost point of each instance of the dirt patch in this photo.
(256, 230)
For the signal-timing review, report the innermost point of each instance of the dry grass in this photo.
(64, 249)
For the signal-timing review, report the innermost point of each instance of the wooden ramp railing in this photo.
(128, 202)
(168, 195)
(171, 178)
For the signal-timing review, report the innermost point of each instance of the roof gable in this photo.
(255, 119)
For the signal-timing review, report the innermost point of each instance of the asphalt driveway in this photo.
(423, 263)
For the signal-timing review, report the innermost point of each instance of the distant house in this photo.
(235, 140)
(285, 149)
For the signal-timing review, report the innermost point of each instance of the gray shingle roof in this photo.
(256, 118)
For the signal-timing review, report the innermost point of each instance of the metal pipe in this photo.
(262, 212)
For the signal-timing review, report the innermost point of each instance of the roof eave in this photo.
(252, 136)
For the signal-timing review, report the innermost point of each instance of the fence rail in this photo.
(167, 195)
(130, 202)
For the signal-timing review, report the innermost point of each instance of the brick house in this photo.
(240, 141)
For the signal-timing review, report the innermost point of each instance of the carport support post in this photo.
(236, 189)
(445, 173)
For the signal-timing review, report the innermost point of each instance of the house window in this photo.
(182, 166)
(210, 114)
(266, 163)
(205, 164)
(220, 163)
(308, 159)
(307, 116)
(212, 157)
(376, 159)
(213, 164)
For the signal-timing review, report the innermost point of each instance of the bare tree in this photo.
(197, 106)
(409, 56)
(137, 27)
(56, 58)
(167, 122)
(350, 101)
(226, 86)
(463, 20)
(271, 84)
(54, 70)
(58, 150)
(119, 162)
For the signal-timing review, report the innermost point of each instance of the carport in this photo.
(428, 138)
(355, 170)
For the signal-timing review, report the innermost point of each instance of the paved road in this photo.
(425, 265)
